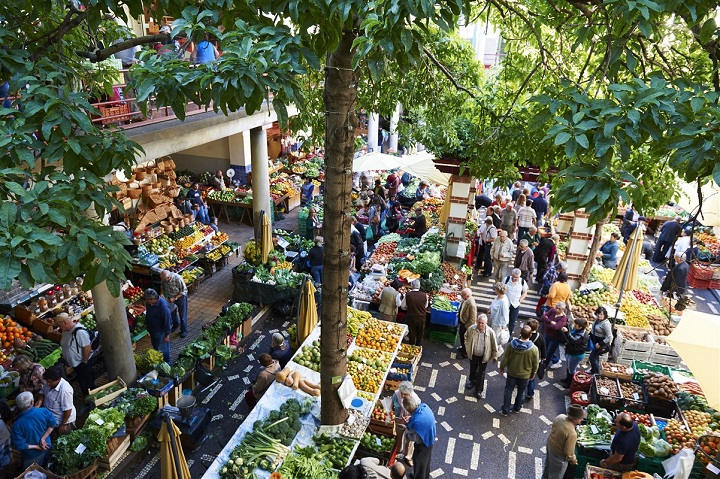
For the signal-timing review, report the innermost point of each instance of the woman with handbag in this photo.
(601, 336)
(499, 315)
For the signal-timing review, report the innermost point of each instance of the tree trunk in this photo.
(593, 251)
(340, 121)
(114, 332)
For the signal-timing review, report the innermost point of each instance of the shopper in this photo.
(205, 52)
(501, 254)
(306, 191)
(467, 313)
(553, 321)
(5, 442)
(539, 342)
(370, 468)
(499, 314)
(218, 181)
(175, 292)
(31, 374)
(601, 336)
(421, 430)
(402, 416)
(76, 350)
(393, 183)
(560, 446)
(516, 290)
(280, 349)
(415, 302)
(540, 206)
(265, 378)
(624, 445)
(315, 259)
(576, 342)
(609, 250)
(525, 260)
(560, 291)
(508, 219)
(31, 431)
(419, 225)
(388, 303)
(526, 218)
(521, 361)
(532, 237)
(481, 346)
(57, 397)
(487, 235)
(495, 216)
(159, 322)
(668, 234)
(676, 280)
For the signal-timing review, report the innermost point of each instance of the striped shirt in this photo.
(525, 217)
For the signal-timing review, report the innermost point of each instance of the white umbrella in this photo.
(376, 161)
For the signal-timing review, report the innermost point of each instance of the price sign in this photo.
(636, 396)
(712, 468)
(351, 419)
(80, 449)
(613, 369)
(378, 441)
(604, 390)
(456, 277)
(99, 421)
(594, 428)
(584, 397)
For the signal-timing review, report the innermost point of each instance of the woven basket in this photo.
(140, 174)
(134, 194)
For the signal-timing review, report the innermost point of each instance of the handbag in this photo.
(504, 335)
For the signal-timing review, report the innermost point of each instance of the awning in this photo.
(376, 161)
(421, 165)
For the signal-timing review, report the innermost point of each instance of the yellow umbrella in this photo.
(697, 340)
(308, 316)
(172, 458)
(627, 270)
(266, 244)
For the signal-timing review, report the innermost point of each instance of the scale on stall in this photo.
(289, 255)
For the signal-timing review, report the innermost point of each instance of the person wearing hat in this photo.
(315, 259)
(280, 349)
(175, 291)
(31, 431)
(76, 348)
(159, 322)
(675, 280)
(560, 447)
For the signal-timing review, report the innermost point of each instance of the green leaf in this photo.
(696, 103)
(8, 213)
(562, 138)
(634, 116)
(582, 141)
(716, 173)
(707, 30)
(9, 269)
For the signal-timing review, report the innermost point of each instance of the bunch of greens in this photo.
(425, 263)
(411, 189)
(389, 238)
(182, 366)
(107, 421)
(262, 275)
(408, 245)
(442, 303)
(432, 242)
(65, 449)
(650, 443)
(135, 402)
(223, 354)
(197, 349)
(147, 360)
(289, 279)
(432, 283)
(302, 464)
(596, 430)
(335, 450)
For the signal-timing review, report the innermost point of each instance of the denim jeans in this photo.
(572, 364)
(511, 384)
(179, 316)
(316, 273)
(551, 351)
(514, 312)
(595, 364)
(159, 344)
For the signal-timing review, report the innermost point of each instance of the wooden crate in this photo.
(111, 396)
(135, 426)
(114, 442)
(665, 357)
(382, 427)
(35, 467)
(109, 462)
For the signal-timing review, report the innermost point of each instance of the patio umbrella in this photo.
(266, 243)
(308, 317)
(172, 458)
(626, 274)
(696, 339)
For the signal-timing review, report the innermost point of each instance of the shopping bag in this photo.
(679, 465)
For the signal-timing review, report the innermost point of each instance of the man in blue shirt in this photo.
(194, 195)
(624, 446)
(31, 431)
(159, 322)
(421, 430)
(307, 191)
(669, 232)
(609, 251)
(540, 205)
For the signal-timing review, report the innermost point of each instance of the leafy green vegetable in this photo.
(107, 420)
(302, 464)
(67, 460)
(442, 303)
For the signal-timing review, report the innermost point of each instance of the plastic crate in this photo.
(404, 372)
(443, 334)
(639, 368)
(445, 318)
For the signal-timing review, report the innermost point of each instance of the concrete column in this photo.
(260, 174)
(239, 148)
(458, 195)
(577, 252)
(373, 123)
(394, 120)
(114, 332)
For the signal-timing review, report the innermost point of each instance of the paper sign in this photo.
(712, 468)
(378, 441)
(584, 397)
(351, 419)
(99, 421)
(456, 277)
(604, 390)
(80, 449)
(593, 428)
(636, 396)
(613, 369)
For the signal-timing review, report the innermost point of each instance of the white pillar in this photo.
(373, 122)
(260, 173)
(240, 153)
(394, 120)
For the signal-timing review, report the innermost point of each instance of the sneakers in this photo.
(503, 412)
(556, 365)
(528, 398)
(469, 385)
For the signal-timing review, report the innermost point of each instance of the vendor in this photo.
(159, 322)
(609, 251)
(218, 181)
(307, 191)
(370, 468)
(624, 446)
(264, 379)
(419, 224)
(57, 397)
(280, 349)
(379, 190)
(422, 192)
(31, 374)
(315, 259)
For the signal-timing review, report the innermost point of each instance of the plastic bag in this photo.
(679, 465)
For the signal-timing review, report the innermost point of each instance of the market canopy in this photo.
(422, 165)
(696, 339)
(376, 161)
(711, 202)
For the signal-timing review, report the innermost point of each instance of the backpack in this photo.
(369, 234)
(94, 338)
(507, 280)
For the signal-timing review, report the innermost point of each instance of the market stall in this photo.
(299, 408)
